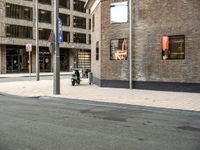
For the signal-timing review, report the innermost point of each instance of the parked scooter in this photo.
(75, 77)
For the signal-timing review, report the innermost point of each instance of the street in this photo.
(44, 123)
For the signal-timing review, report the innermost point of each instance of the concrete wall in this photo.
(2, 59)
(154, 18)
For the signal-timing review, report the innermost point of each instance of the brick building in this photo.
(17, 28)
(165, 44)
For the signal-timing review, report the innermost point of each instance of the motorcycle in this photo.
(75, 77)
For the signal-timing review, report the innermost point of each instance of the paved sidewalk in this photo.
(174, 100)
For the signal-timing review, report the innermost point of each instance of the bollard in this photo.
(90, 77)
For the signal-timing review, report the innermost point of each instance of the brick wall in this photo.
(154, 18)
(112, 69)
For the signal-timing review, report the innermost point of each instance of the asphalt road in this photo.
(62, 124)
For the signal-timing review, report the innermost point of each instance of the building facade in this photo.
(17, 28)
(165, 44)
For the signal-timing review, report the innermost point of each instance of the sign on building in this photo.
(28, 47)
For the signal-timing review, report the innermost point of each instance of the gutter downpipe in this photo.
(130, 45)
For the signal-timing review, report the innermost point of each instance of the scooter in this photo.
(75, 77)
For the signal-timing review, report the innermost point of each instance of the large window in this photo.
(45, 2)
(79, 22)
(119, 12)
(65, 19)
(66, 36)
(19, 31)
(84, 59)
(173, 47)
(64, 4)
(119, 49)
(19, 12)
(44, 16)
(44, 34)
(79, 6)
(79, 38)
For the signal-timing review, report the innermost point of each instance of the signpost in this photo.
(29, 50)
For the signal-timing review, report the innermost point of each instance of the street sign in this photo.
(60, 33)
(28, 47)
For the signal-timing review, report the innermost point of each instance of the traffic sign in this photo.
(28, 47)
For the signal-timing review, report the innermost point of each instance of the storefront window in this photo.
(119, 49)
(175, 47)
(119, 12)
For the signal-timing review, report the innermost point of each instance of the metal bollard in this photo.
(90, 77)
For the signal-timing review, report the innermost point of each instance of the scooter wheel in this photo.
(73, 83)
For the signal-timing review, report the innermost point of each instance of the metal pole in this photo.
(130, 45)
(56, 57)
(36, 41)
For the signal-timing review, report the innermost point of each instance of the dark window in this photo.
(93, 22)
(119, 49)
(176, 48)
(65, 19)
(79, 22)
(19, 31)
(44, 16)
(119, 12)
(44, 34)
(19, 12)
(64, 4)
(89, 38)
(97, 50)
(79, 6)
(89, 24)
(66, 36)
(45, 2)
(79, 38)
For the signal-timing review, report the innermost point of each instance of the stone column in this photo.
(2, 59)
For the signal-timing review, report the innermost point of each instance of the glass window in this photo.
(64, 4)
(119, 12)
(45, 2)
(79, 22)
(19, 31)
(89, 38)
(175, 47)
(44, 16)
(66, 36)
(44, 34)
(89, 24)
(93, 22)
(119, 49)
(79, 6)
(19, 12)
(65, 19)
(79, 38)
(97, 50)
(84, 60)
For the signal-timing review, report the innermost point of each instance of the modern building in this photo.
(17, 28)
(165, 44)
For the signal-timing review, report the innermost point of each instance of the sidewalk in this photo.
(174, 100)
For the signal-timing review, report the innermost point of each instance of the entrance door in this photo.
(45, 63)
(13, 63)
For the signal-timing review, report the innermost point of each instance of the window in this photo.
(19, 31)
(66, 36)
(65, 19)
(89, 38)
(45, 2)
(173, 47)
(64, 4)
(79, 38)
(84, 59)
(97, 50)
(19, 12)
(44, 34)
(119, 49)
(44, 16)
(93, 23)
(79, 6)
(119, 12)
(89, 24)
(79, 22)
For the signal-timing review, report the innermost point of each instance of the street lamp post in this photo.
(56, 53)
(36, 41)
